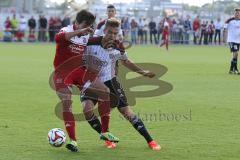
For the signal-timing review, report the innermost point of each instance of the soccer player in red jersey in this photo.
(71, 42)
(165, 35)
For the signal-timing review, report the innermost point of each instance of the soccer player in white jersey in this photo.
(107, 75)
(233, 27)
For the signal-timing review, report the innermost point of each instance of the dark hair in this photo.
(110, 6)
(112, 22)
(237, 9)
(86, 16)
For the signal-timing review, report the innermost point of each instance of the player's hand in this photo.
(148, 74)
(86, 31)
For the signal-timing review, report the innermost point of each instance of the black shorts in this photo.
(234, 47)
(117, 96)
(140, 32)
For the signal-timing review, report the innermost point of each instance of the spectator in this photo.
(31, 37)
(187, 30)
(57, 25)
(22, 28)
(7, 23)
(181, 28)
(126, 27)
(218, 29)
(66, 21)
(211, 32)
(14, 25)
(42, 29)
(145, 30)
(32, 25)
(51, 29)
(205, 33)
(173, 30)
(203, 29)
(7, 35)
(153, 31)
(140, 31)
(178, 33)
(134, 27)
(196, 29)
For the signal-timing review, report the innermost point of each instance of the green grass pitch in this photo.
(201, 86)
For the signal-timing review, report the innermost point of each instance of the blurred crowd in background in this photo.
(32, 30)
(138, 31)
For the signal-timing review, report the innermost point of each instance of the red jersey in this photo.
(196, 25)
(76, 46)
(67, 49)
(68, 54)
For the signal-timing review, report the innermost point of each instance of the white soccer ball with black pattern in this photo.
(56, 137)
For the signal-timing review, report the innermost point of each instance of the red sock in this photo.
(104, 111)
(69, 122)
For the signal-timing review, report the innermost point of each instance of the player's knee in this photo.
(64, 95)
(67, 105)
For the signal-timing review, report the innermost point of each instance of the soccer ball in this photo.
(56, 137)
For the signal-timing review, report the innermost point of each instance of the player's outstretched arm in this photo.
(64, 36)
(79, 32)
(133, 67)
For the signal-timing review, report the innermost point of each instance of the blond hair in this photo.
(112, 22)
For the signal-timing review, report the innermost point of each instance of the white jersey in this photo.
(218, 25)
(233, 31)
(108, 60)
(100, 30)
(22, 24)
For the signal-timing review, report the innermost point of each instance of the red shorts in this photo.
(165, 37)
(58, 81)
(79, 77)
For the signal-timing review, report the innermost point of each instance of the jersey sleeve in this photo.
(99, 29)
(101, 24)
(98, 32)
(120, 56)
(60, 36)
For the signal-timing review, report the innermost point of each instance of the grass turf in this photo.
(201, 86)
